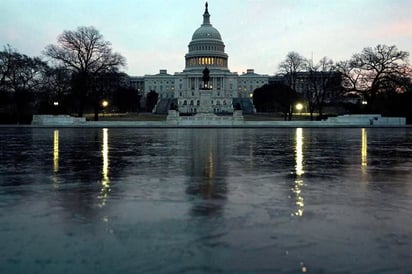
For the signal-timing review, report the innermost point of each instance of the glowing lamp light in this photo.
(55, 103)
(105, 103)
(299, 106)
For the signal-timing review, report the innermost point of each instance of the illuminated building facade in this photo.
(205, 50)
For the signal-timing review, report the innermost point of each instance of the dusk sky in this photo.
(154, 34)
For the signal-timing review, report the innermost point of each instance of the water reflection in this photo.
(364, 154)
(55, 157)
(364, 149)
(207, 174)
(56, 150)
(197, 186)
(105, 189)
(299, 171)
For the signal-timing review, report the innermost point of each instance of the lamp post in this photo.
(364, 106)
(105, 103)
(56, 107)
(299, 108)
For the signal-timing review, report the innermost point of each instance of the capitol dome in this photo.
(206, 48)
(206, 32)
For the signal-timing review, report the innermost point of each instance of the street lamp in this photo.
(55, 107)
(105, 103)
(299, 108)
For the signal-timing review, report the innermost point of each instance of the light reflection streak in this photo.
(211, 165)
(55, 157)
(364, 155)
(56, 150)
(299, 171)
(105, 190)
(210, 174)
(364, 149)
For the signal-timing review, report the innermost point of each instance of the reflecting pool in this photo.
(205, 200)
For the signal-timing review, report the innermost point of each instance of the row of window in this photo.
(218, 94)
(161, 82)
(210, 61)
(200, 81)
(192, 102)
(161, 88)
(251, 87)
(203, 47)
(215, 110)
(255, 81)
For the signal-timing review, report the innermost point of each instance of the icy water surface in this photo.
(205, 200)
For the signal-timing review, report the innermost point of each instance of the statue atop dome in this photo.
(206, 15)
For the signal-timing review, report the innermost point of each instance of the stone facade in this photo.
(206, 49)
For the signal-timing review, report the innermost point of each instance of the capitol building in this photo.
(183, 90)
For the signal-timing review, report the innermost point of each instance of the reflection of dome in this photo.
(206, 47)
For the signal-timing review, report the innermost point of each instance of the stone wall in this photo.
(57, 120)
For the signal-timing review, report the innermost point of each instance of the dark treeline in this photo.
(276, 97)
(81, 70)
(75, 75)
(376, 80)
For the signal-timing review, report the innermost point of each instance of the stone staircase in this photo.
(163, 106)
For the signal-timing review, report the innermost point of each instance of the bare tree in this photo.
(86, 54)
(6, 65)
(374, 70)
(20, 77)
(293, 64)
(324, 84)
(57, 88)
